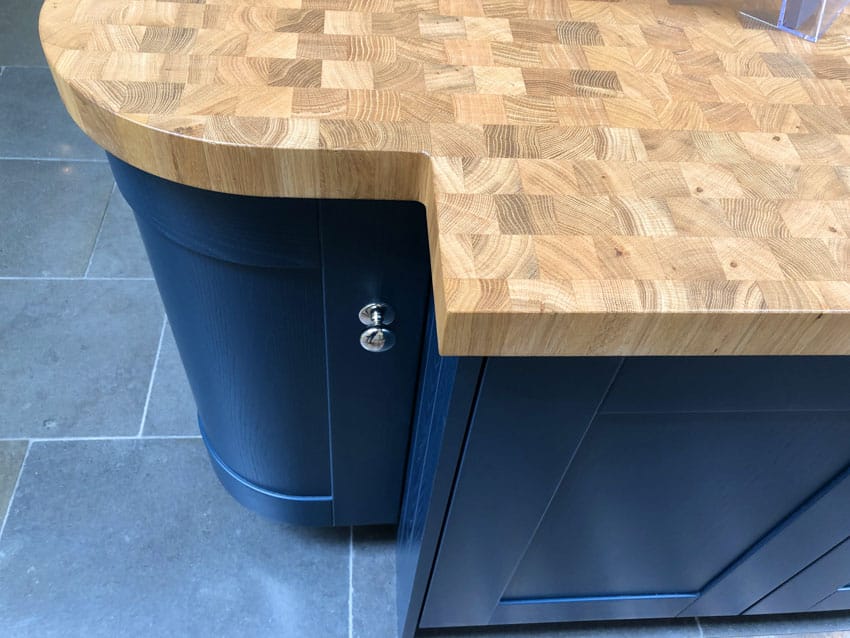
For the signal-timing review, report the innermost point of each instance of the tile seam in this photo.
(71, 439)
(99, 230)
(15, 489)
(25, 278)
(152, 377)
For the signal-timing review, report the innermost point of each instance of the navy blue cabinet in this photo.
(823, 586)
(263, 295)
(603, 488)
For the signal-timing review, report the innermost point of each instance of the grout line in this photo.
(99, 230)
(70, 439)
(699, 626)
(351, 582)
(15, 489)
(153, 375)
(15, 278)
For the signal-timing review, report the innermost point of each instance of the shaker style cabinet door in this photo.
(653, 487)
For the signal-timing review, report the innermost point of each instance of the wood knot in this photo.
(734, 264)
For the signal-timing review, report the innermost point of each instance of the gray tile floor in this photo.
(113, 523)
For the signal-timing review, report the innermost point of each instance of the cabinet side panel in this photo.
(371, 252)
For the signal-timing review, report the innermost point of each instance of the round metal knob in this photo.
(377, 338)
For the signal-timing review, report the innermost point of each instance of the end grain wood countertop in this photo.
(600, 178)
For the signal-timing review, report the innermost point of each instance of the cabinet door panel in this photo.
(644, 514)
(839, 601)
(743, 384)
(649, 494)
(229, 288)
(821, 586)
(799, 540)
(529, 418)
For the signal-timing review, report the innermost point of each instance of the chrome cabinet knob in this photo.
(377, 337)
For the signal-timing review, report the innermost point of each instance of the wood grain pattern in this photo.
(607, 178)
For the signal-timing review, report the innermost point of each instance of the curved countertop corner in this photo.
(600, 178)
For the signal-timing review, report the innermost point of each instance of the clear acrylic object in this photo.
(808, 19)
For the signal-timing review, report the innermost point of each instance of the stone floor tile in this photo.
(797, 625)
(172, 408)
(76, 356)
(51, 215)
(137, 538)
(33, 121)
(119, 251)
(11, 456)
(19, 43)
(373, 580)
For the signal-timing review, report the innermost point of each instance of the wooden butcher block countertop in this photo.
(600, 178)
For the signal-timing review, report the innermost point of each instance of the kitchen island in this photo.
(607, 191)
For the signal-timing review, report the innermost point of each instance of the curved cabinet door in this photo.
(591, 490)
(263, 295)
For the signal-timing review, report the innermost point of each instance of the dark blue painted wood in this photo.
(743, 384)
(589, 608)
(256, 368)
(816, 587)
(664, 503)
(808, 533)
(305, 510)
(838, 601)
(443, 409)
(372, 251)
(530, 417)
(642, 515)
(262, 295)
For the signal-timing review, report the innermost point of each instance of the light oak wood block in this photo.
(599, 178)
